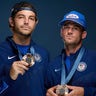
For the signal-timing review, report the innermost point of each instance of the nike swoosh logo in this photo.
(56, 70)
(11, 57)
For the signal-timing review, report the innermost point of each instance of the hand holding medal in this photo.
(62, 90)
(29, 58)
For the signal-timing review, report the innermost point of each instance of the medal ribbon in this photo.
(65, 80)
(32, 51)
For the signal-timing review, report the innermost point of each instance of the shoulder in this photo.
(4, 45)
(90, 52)
(56, 62)
(89, 55)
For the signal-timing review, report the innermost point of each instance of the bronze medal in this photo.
(29, 58)
(61, 90)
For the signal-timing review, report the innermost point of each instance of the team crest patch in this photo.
(82, 66)
(38, 58)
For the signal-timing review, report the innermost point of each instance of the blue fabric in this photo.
(32, 82)
(3, 87)
(85, 78)
(76, 17)
(67, 62)
(23, 49)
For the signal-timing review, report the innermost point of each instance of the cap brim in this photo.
(73, 20)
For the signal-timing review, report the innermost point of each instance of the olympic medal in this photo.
(29, 58)
(61, 90)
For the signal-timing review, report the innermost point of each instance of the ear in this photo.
(37, 21)
(84, 34)
(61, 32)
(11, 23)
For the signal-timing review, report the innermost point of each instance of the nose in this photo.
(70, 30)
(26, 21)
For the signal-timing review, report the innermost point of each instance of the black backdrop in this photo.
(50, 12)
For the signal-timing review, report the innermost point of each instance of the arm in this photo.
(3, 86)
(8, 78)
(89, 91)
(75, 91)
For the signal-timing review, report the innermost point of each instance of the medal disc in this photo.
(29, 58)
(61, 90)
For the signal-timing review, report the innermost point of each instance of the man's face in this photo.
(24, 22)
(72, 34)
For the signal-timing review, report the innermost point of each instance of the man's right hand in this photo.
(51, 91)
(18, 67)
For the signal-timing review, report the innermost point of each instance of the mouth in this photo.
(25, 28)
(69, 37)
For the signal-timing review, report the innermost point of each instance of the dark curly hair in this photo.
(20, 6)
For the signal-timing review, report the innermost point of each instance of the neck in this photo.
(22, 40)
(71, 49)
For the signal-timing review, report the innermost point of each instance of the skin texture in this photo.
(72, 36)
(22, 26)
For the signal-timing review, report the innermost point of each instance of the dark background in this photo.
(50, 12)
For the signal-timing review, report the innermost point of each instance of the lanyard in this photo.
(32, 51)
(64, 79)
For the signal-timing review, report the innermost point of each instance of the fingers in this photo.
(22, 65)
(18, 67)
(70, 87)
(75, 91)
(51, 91)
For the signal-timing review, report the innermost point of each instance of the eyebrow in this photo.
(24, 15)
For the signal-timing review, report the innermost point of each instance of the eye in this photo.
(65, 27)
(76, 28)
(32, 18)
(20, 17)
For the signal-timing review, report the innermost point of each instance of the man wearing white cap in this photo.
(72, 73)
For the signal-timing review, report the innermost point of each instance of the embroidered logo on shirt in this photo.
(56, 70)
(11, 57)
(37, 57)
(82, 66)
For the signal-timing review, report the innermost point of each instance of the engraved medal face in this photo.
(29, 58)
(62, 90)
